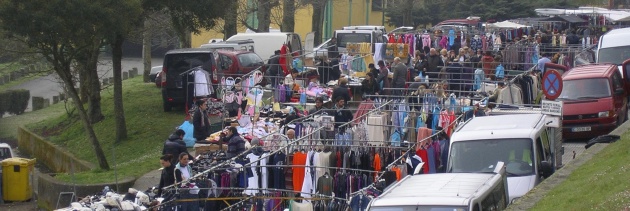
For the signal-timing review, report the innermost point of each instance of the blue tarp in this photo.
(188, 138)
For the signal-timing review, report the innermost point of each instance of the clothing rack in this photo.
(232, 160)
(402, 156)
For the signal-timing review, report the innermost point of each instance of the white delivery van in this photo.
(522, 141)
(453, 192)
(266, 43)
(614, 47)
(232, 45)
(360, 35)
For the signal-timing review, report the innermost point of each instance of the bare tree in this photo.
(288, 15)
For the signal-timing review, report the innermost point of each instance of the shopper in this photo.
(487, 63)
(274, 70)
(236, 144)
(342, 90)
(342, 115)
(183, 174)
(542, 61)
(369, 85)
(201, 123)
(289, 80)
(383, 78)
(174, 145)
(167, 177)
(400, 76)
(319, 104)
(434, 64)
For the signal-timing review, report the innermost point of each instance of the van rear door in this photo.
(626, 74)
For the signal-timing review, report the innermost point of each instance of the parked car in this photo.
(177, 62)
(5, 152)
(154, 72)
(236, 63)
(595, 98)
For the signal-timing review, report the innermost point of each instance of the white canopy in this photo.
(611, 15)
(506, 24)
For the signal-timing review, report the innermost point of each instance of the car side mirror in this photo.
(619, 91)
(546, 169)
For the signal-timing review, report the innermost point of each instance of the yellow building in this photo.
(343, 13)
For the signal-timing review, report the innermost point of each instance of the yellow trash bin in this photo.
(16, 179)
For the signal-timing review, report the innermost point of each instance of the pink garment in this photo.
(423, 133)
(311, 93)
(444, 42)
(364, 108)
(426, 40)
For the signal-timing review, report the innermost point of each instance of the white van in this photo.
(456, 191)
(232, 45)
(522, 141)
(614, 47)
(266, 43)
(344, 37)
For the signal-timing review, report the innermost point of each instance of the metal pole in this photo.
(383, 11)
(350, 13)
(330, 19)
(367, 12)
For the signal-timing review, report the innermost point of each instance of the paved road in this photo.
(49, 86)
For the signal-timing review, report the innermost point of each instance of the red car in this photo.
(236, 63)
(595, 98)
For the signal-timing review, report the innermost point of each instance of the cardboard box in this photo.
(202, 148)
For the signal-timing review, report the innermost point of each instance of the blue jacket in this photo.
(500, 71)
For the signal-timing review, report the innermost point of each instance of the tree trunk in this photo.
(318, 20)
(119, 112)
(288, 16)
(183, 34)
(185, 39)
(264, 15)
(146, 51)
(83, 90)
(407, 15)
(64, 74)
(95, 111)
(229, 26)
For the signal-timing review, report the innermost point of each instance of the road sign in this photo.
(551, 107)
(552, 84)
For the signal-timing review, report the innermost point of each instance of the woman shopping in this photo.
(183, 173)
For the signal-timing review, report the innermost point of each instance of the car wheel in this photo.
(167, 107)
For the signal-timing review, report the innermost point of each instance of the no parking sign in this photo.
(552, 84)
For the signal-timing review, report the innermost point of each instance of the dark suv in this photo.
(176, 63)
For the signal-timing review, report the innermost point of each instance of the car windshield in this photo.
(345, 38)
(418, 208)
(249, 59)
(481, 156)
(615, 55)
(590, 88)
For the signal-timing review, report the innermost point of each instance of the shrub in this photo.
(18, 101)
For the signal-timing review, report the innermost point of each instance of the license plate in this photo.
(581, 129)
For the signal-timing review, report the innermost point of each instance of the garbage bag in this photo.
(188, 137)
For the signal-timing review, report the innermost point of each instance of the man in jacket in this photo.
(342, 116)
(174, 145)
(236, 144)
(342, 91)
(201, 123)
(434, 64)
(400, 76)
(274, 69)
